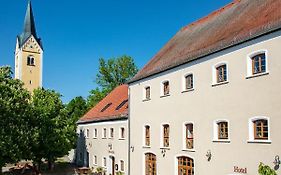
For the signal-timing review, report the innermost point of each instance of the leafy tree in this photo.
(55, 132)
(76, 108)
(15, 130)
(266, 170)
(112, 73)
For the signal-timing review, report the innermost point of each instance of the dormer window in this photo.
(106, 106)
(30, 61)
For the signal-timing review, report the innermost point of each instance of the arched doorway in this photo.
(150, 164)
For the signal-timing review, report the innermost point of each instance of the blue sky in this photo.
(76, 33)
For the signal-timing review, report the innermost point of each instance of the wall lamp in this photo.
(163, 152)
(276, 162)
(209, 155)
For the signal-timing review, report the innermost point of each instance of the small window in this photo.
(122, 165)
(147, 93)
(104, 161)
(221, 73)
(95, 133)
(122, 133)
(104, 132)
(30, 61)
(95, 160)
(30, 82)
(121, 104)
(147, 135)
(165, 88)
(106, 106)
(189, 82)
(261, 129)
(111, 133)
(87, 133)
(166, 133)
(189, 136)
(258, 63)
(222, 130)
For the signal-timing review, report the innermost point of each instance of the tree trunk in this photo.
(51, 165)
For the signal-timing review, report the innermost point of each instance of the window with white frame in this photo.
(221, 130)
(122, 165)
(87, 133)
(166, 135)
(104, 133)
(257, 63)
(95, 133)
(165, 88)
(147, 93)
(189, 136)
(104, 161)
(111, 133)
(122, 133)
(147, 135)
(185, 165)
(220, 73)
(259, 129)
(95, 160)
(188, 81)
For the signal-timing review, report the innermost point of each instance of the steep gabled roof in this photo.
(237, 22)
(113, 106)
(29, 28)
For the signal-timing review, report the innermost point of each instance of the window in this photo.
(222, 130)
(189, 82)
(104, 161)
(95, 160)
(189, 136)
(147, 135)
(258, 63)
(150, 164)
(104, 132)
(87, 133)
(30, 82)
(261, 129)
(122, 165)
(147, 93)
(166, 133)
(121, 104)
(95, 133)
(221, 73)
(165, 88)
(30, 61)
(106, 106)
(185, 166)
(122, 133)
(111, 132)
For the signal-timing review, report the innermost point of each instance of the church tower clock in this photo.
(29, 54)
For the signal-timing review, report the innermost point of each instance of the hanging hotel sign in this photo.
(239, 170)
(110, 148)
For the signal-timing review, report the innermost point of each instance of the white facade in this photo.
(103, 144)
(239, 101)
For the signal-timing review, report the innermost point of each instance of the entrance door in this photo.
(111, 165)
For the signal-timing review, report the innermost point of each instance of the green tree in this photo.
(55, 132)
(76, 108)
(15, 130)
(266, 170)
(112, 73)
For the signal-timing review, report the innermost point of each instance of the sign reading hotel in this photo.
(239, 170)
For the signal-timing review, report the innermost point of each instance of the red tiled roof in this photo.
(235, 23)
(113, 106)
